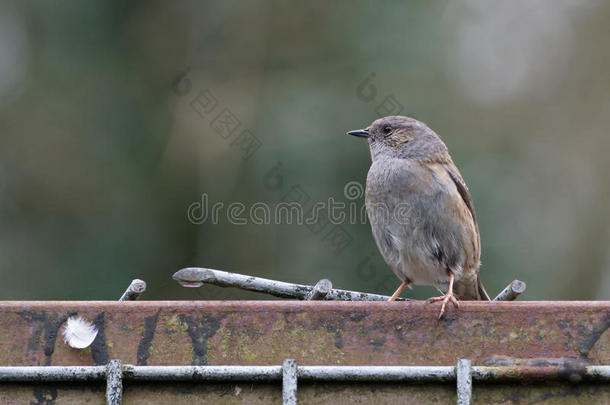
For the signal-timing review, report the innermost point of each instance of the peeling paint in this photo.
(150, 325)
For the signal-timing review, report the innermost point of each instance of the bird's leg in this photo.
(447, 297)
(399, 290)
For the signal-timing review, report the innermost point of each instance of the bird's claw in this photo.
(445, 298)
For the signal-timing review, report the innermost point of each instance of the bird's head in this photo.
(398, 136)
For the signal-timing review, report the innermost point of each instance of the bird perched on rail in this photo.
(421, 212)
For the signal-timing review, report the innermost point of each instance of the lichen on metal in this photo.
(202, 373)
(377, 373)
(114, 382)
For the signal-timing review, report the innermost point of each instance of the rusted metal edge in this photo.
(338, 333)
(265, 305)
(308, 373)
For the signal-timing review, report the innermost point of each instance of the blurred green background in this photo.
(102, 151)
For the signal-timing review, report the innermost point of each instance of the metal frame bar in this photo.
(289, 373)
(463, 372)
(114, 382)
(198, 276)
(305, 373)
(289, 382)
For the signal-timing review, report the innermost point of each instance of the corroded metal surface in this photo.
(313, 333)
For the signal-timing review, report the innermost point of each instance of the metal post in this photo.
(464, 381)
(114, 383)
(320, 290)
(135, 289)
(289, 382)
(512, 291)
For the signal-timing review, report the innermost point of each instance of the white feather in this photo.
(79, 333)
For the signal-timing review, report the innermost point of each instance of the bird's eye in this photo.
(387, 129)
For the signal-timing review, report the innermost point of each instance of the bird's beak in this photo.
(362, 133)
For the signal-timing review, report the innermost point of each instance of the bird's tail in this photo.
(470, 290)
(483, 296)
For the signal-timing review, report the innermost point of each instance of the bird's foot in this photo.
(445, 298)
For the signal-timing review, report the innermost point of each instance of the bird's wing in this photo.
(453, 223)
(460, 184)
(462, 189)
(451, 228)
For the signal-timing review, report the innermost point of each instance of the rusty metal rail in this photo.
(289, 373)
(202, 345)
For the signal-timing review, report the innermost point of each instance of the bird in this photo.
(420, 211)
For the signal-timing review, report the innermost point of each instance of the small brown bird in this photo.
(421, 212)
